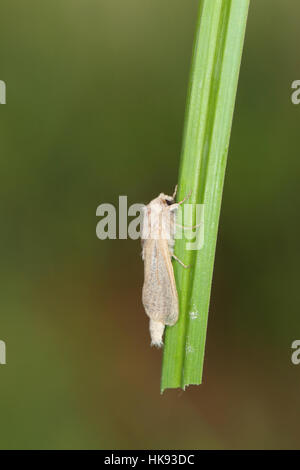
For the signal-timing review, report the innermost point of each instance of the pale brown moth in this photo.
(160, 298)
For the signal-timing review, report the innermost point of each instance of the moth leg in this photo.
(177, 204)
(184, 199)
(188, 227)
(180, 262)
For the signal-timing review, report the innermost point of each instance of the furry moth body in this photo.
(160, 298)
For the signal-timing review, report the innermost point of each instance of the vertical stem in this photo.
(210, 104)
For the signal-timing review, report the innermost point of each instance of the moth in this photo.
(159, 296)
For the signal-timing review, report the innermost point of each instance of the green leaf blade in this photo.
(212, 90)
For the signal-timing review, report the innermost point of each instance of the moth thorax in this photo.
(158, 224)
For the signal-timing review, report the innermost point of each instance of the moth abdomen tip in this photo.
(157, 344)
(156, 332)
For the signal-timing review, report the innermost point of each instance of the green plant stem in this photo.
(210, 104)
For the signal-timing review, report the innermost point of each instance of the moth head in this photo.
(167, 200)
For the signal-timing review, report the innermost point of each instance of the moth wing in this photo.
(160, 297)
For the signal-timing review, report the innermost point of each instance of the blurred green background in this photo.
(95, 103)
